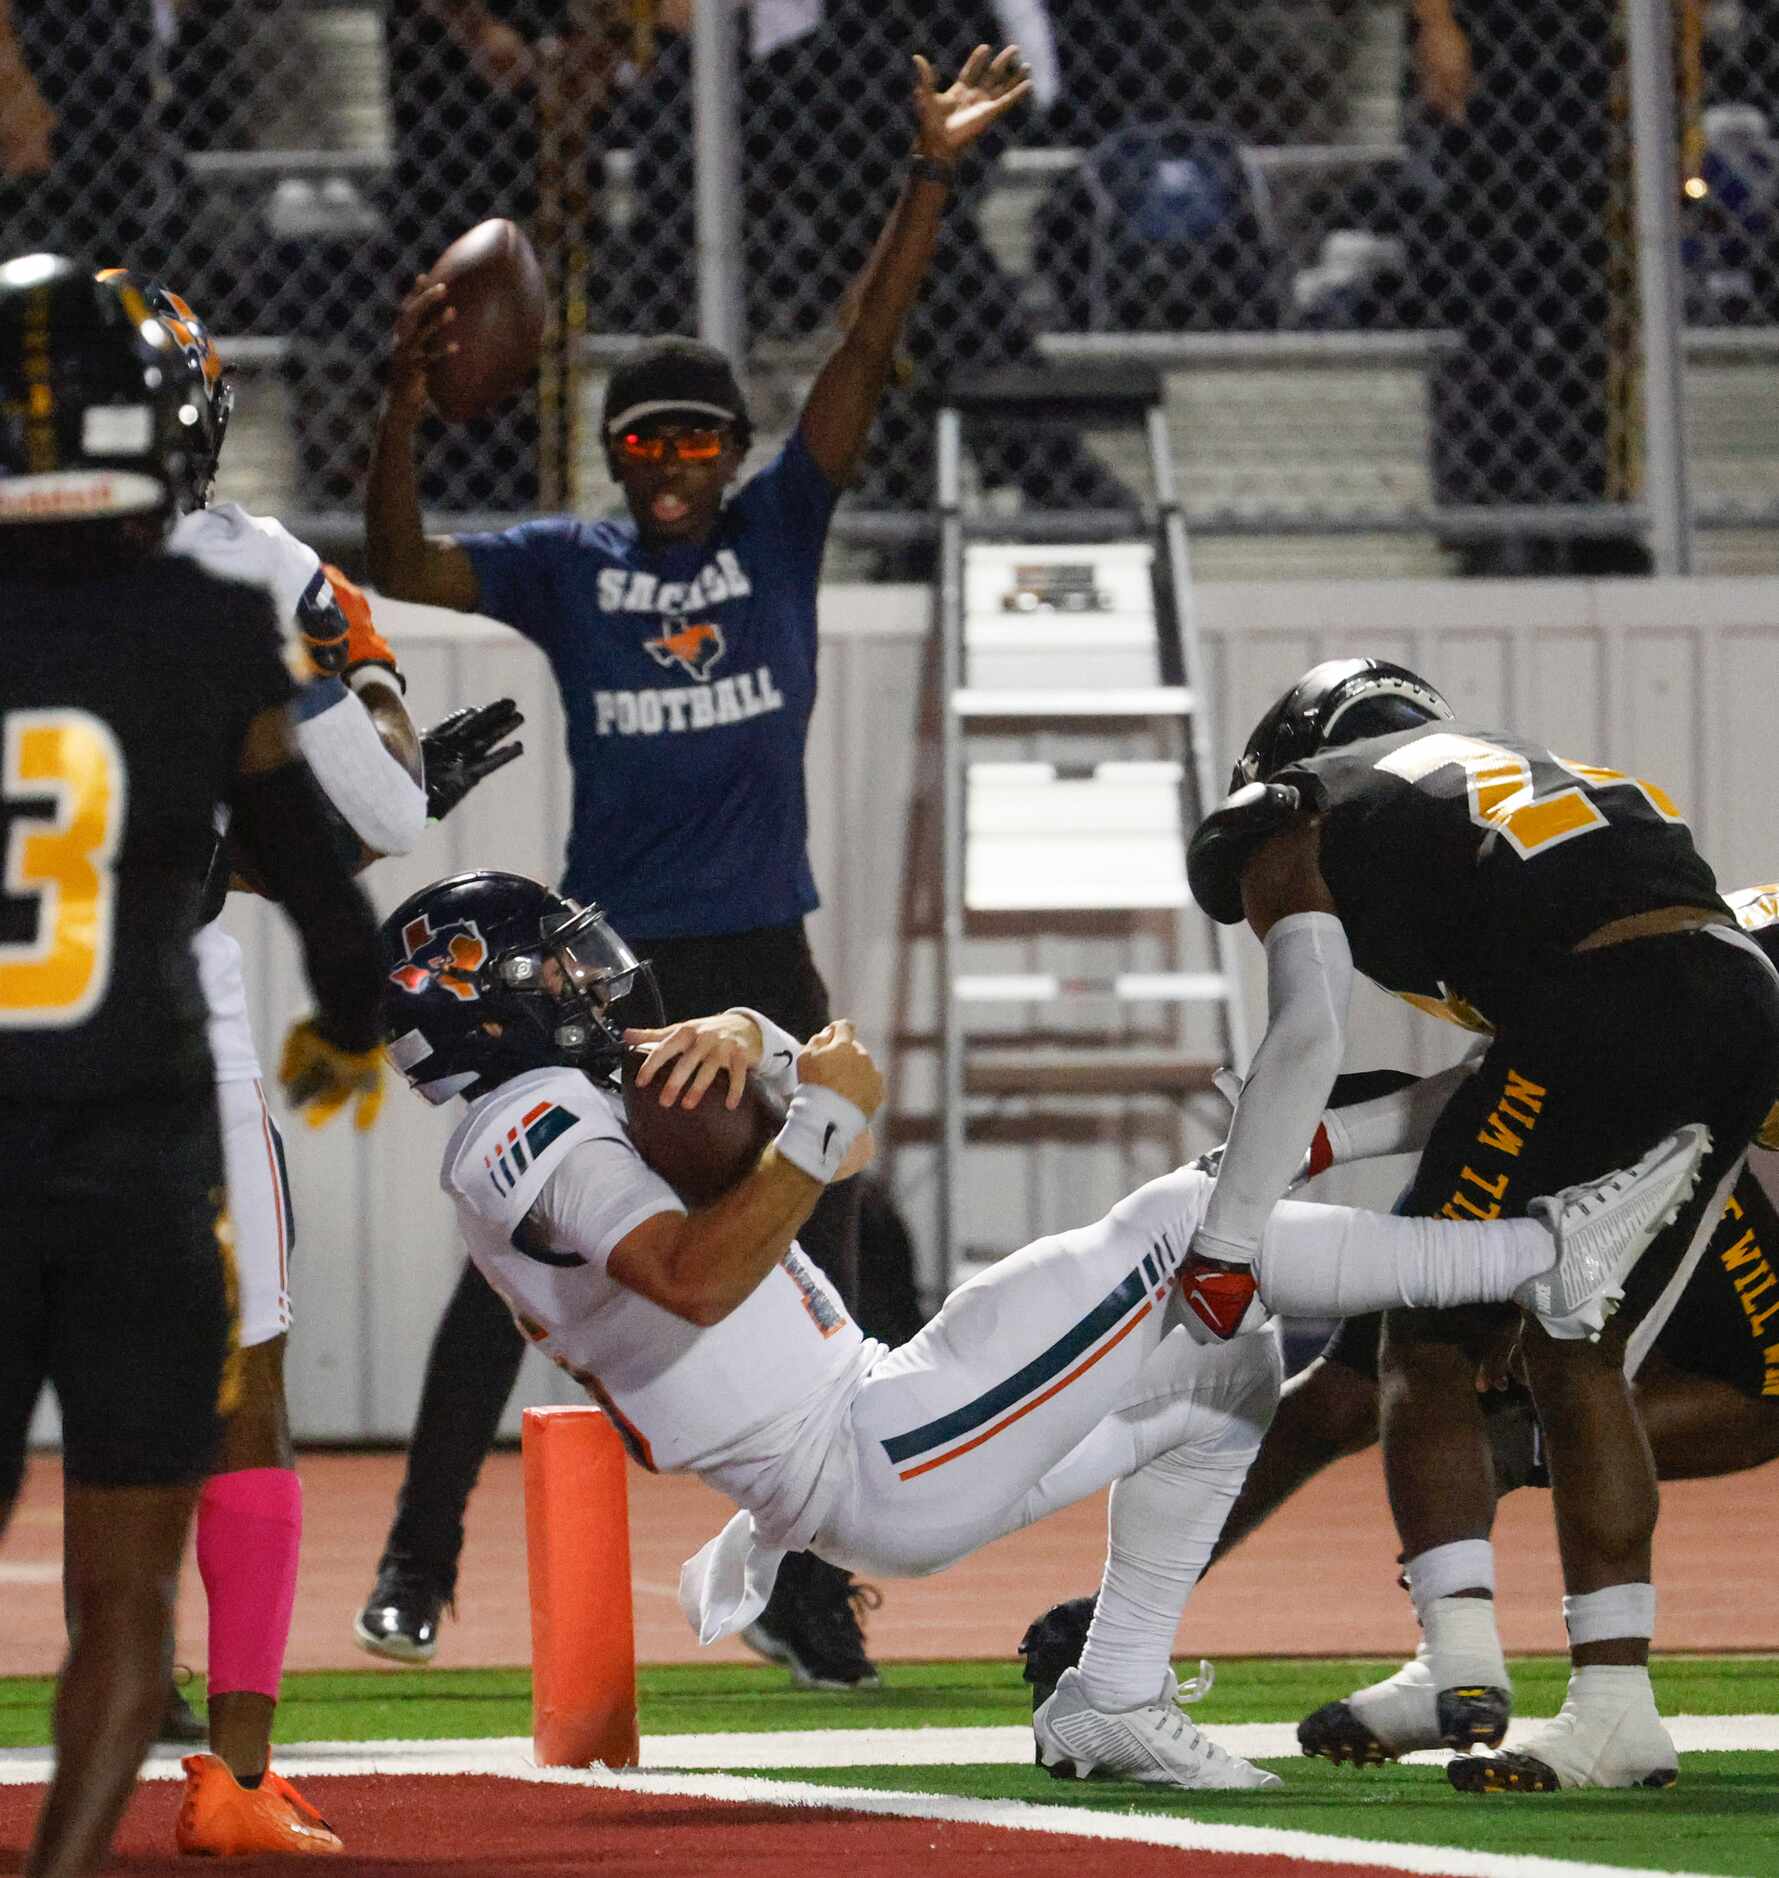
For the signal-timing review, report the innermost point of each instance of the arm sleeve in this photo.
(1309, 978)
(779, 1051)
(374, 794)
(283, 826)
(512, 576)
(1396, 1123)
(601, 1192)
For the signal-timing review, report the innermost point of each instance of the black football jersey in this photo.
(123, 703)
(1462, 859)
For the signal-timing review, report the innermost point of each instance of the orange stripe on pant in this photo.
(1056, 1388)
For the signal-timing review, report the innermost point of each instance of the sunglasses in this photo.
(690, 446)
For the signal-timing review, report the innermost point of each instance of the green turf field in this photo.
(1721, 1819)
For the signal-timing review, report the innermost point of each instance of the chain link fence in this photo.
(1391, 277)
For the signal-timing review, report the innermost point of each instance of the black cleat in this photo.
(1335, 1733)
(400, 1619)
(1526, 1773)
(811, 1625)
(1474, 1717)
(1051, 1644)
(180, 1725)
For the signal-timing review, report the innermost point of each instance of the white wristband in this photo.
(819, 1127)
(779, 1051)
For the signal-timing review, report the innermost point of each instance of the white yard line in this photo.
(825, 1747)
(511, 1758)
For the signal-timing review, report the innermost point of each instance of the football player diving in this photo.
(1080, 1362)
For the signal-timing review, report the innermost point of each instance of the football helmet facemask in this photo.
(1336, 702)
(210, 379)
(98, 427)
(488, 975)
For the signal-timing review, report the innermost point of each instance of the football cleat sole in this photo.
(1335, 1733)
(1525, 1773)
(1474, 1717)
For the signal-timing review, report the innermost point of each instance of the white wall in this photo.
(1674, 680)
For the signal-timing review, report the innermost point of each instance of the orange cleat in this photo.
(220, 1818)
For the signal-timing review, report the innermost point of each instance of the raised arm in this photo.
(843, 401)
(405, 562)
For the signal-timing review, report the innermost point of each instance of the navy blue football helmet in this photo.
(1336, 702)
(488, 975)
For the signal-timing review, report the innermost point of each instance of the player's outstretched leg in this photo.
(1119, 1713)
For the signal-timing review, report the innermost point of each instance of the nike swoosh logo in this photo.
(827, 1136)
(782, 1056)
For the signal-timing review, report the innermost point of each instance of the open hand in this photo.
(699, 1050)
(460, 751)
(982, 93)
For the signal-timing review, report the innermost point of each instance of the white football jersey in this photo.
(230, 542)
(747, 1403)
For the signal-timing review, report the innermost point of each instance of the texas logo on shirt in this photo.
(694, 648)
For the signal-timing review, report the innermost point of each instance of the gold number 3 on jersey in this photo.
(63, 861)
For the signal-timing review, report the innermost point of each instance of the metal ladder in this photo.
(1082, 646)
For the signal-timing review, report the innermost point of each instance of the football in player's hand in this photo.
(701, 1153)
(495, 288)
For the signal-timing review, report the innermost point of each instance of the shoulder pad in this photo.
(1227, 837)
(509, 1147)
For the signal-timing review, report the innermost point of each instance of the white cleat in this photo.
(1602, 1228)
(1156, 1744)
(1379, 1723)
(1595, 1746)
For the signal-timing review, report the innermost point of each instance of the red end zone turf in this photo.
(481, 1826)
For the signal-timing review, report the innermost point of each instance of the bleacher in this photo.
(1302, 451)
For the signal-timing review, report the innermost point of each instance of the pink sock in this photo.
(250, 1526)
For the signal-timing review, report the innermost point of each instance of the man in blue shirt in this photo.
(683, 640)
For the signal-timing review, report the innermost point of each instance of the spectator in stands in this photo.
(824, 138)
(1266, 74)
(1516, 252)
(78, 136)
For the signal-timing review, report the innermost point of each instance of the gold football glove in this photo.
(320, 1078)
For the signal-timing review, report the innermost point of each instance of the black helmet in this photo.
(1338, 701)
(209, 377)
(98, 420)
(473, 951)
